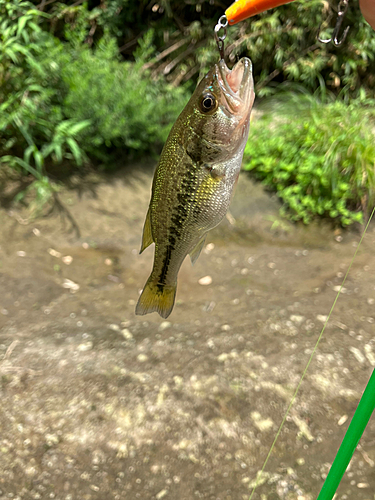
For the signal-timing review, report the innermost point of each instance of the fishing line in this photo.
(309, 361)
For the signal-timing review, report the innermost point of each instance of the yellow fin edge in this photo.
(157, 300)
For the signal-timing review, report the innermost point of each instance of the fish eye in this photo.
(208, 103)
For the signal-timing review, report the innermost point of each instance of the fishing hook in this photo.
(221, 24)
(342, 8)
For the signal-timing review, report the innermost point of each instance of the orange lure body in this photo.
(242, 9)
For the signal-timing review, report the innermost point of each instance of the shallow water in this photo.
(97, 403)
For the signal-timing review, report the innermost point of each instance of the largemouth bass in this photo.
(195, 176)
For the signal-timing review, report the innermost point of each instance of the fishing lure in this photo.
(243, 9)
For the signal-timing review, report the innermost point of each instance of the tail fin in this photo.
(156, 298)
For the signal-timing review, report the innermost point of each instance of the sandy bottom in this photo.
(97, 403)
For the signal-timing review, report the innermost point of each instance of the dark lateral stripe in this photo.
(180, 214)
(163, 275)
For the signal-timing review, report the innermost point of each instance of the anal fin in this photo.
(194, 254)
(147, 238)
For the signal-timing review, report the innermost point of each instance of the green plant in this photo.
(127, 108)
(60, 101)
(281, 42)
(32, 127)
(318, 156)
(66, 92)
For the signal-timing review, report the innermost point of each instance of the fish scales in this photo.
(195, 176)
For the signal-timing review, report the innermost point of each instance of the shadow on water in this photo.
(87, 180)
(11, 188)
(84, 183)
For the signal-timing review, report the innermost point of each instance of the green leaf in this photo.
(78, 127)
(39, 160)
(21, 24)
(57, 149)
(75, 149)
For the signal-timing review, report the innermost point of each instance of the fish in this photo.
(195, 176)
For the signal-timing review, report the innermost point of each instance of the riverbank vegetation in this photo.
(94, 83)
(318, 156)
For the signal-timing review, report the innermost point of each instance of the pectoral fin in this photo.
(194, 254)
(147, 238)
(217, 172)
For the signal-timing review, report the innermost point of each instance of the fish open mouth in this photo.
(237, 84)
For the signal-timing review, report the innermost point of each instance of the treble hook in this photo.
(342, 8)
